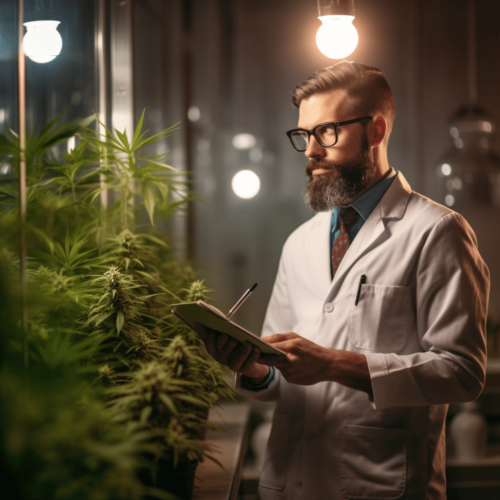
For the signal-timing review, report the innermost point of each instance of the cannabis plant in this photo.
(101, 281)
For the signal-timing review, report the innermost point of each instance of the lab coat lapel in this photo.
(373, 231)
(319, 246)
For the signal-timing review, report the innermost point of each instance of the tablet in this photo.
(209, 316)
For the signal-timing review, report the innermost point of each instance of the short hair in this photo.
(367, 88)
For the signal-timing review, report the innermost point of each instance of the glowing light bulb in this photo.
(246, 184)
(449, 200)
(42, 42)
(445, 169)
(244, 141)
(337, 37)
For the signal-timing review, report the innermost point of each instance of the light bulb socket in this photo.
(335, 8)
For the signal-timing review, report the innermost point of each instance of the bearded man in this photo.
(380, 305)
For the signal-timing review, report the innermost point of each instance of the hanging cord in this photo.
(472, 51)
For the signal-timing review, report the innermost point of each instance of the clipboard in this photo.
(206, 315)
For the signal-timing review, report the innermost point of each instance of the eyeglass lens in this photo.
(300, 140)
(326, 135)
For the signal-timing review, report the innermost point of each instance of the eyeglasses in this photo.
(325, 133)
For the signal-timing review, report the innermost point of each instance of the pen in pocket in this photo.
(362, 281)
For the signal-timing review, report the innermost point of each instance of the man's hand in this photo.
(241, 358)
(307, 363)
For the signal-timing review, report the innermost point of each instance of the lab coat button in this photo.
(311, 436)
(328, 307)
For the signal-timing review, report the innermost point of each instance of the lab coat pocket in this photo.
(373, 463)
(274, 467)
(379, 321)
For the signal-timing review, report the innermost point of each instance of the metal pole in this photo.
(122, 89)
(21, 90)
(187, 80)
(102, 81)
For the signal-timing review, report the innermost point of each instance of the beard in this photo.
(338, 188)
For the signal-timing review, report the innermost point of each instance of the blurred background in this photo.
(224, 70)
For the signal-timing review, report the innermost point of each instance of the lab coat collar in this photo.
(394, 202)
(392, 206)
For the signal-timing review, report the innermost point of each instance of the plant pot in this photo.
(177, 480)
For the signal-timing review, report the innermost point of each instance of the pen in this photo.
(238, 304)
(362, 281)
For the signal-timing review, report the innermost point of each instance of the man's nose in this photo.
(314, 149)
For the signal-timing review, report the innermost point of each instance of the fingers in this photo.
(273, 360)
(210, 345)
(231, 353)
(227, 351)
(216, 344)
(279, 337)
(221, 342)
(240, 355)
(252, 358)
(287, 346)
(201, 331)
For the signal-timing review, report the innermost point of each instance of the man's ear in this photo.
(378, 131)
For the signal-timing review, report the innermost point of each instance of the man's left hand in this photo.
(305, 363)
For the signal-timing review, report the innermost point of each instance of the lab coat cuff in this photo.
(270, 393)
(378, 368)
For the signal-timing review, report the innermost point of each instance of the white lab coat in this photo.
(420, 321)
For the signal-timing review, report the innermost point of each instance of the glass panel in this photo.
(66, 84)
(8, 64)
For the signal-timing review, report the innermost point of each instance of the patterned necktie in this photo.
(347, 217)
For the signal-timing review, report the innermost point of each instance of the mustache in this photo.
(314, 164)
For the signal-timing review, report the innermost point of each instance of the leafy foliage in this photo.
(114, 379)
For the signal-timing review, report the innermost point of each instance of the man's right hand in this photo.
(241, 358)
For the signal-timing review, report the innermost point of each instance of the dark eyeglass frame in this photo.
(313, 132)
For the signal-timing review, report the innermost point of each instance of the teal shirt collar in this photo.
(365, 204)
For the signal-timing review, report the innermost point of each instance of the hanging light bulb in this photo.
(246, 184)
(42, 42)
(336, 37)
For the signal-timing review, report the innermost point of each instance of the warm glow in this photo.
(246, 184)
(337, 37)
(194, 114)
(244, 141)
(487, 127)
(445, 169)
(42, 42)
(71, 144)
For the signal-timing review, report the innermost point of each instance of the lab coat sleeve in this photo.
(452, 288)
(278, 320)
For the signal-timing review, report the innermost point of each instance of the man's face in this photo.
(337, 174)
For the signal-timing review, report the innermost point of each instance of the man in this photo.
(380, 305)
